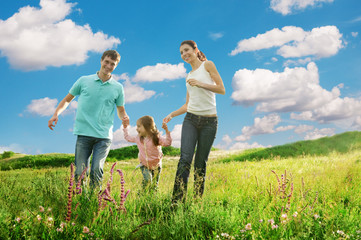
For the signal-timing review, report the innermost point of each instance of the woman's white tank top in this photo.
(201, 101)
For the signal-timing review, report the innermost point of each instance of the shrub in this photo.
(171, 151)
(131, 152)
(124, 153)
(37, 162)
(7, 154)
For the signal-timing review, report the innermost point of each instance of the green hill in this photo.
(18, 161)
(341, 143)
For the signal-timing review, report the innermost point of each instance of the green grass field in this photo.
(313, 193)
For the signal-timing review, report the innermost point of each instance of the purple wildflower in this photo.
(122, 194)
(274, 226)
(85, 229)
(70, 192)
(78, 184)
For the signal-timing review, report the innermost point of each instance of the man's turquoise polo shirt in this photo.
(96, 105)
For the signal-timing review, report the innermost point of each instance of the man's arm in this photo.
(61, 107)
(123, 115)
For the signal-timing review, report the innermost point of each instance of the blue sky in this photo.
(291, 68)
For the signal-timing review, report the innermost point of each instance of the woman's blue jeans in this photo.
(85, 147)
(200, 132)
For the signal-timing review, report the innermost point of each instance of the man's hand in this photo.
(125, 121)
(61, 107)
(52, 122)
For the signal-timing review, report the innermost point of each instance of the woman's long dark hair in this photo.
(149, 126)
(193, 44)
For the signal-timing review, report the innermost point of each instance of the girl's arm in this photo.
(167, 141)
(180, 111)
(212, 70)
(127, 137)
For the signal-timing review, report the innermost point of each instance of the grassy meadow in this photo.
(304, 190)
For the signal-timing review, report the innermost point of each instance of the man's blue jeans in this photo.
(85, 146)
(196, 131)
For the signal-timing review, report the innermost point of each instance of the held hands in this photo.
(165, 127)
(167, 119)
(125, 121)
(52, 122)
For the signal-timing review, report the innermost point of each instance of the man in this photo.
(98, 93)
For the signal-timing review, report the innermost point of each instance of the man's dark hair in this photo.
(114, 55)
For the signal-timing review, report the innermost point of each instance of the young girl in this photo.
(149, 143)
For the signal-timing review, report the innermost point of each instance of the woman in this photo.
(200, 123)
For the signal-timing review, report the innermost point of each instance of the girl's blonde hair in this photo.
(150, 127)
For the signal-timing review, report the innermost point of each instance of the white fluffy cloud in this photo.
(298, 62)
(286, 7)
(265, 125)
(176, 134)
(42, 107)
(160, 72)
(357, 123)
(228, 144)
(35, 38)
(118, 137)
(295, 42)
(354, 34)
(335, 110)
(285, 128)
(244, 146)
(135, 93)
(227, 139)
(272, 38)
(319, 133)
(295, 89)
(46, 107)
(303, 128)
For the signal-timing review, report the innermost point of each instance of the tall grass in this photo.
(303, 197)
(241, 200)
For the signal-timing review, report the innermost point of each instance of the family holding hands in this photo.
(97, 95)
